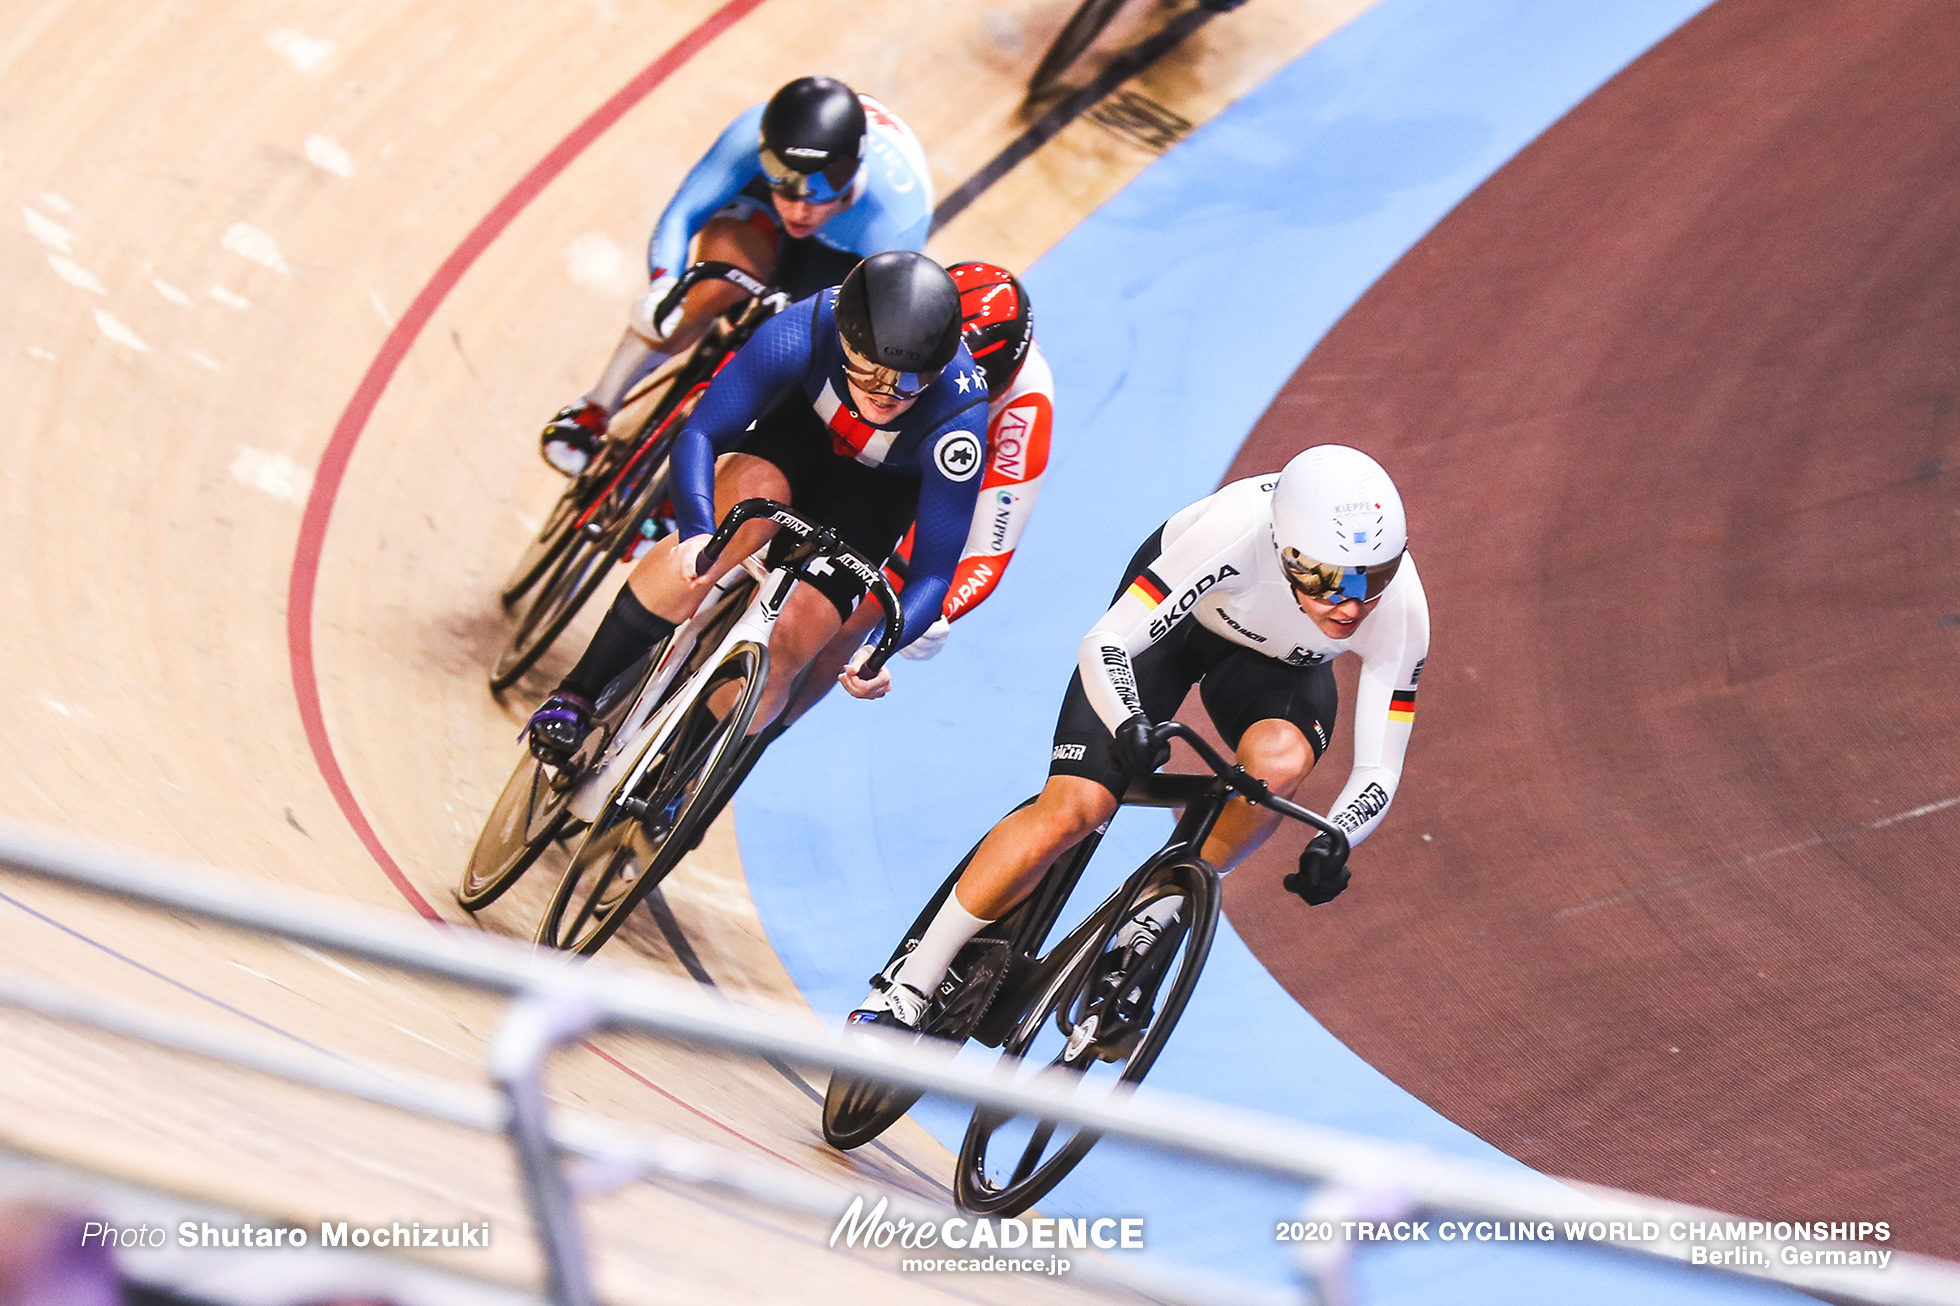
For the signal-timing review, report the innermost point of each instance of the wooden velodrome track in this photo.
(1674, 398)
(291, 289)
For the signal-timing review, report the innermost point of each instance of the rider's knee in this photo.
(1277, 752)
(751, 243)
(1071, 811)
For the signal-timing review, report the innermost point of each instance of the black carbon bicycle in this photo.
(1085, 1007)
(1087, 23)
(612, 505)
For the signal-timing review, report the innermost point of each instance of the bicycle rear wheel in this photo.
(556, 533)
(647, 829)
(855, 1111)
(1094, 1021)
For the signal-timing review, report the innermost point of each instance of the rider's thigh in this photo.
(849, 636)
(751, 243)
(808, 621)
(656, 579)
(1277, 752)
(740, 476)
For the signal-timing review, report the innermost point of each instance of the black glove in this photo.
(1320, 878)
(1135, 751)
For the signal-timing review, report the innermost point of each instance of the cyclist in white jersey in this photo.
(1248, 594)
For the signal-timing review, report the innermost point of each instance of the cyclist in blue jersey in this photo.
(859, 406)
(795, 192)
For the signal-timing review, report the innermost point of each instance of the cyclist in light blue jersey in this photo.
(795, 192)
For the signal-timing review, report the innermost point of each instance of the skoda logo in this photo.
(957, 455)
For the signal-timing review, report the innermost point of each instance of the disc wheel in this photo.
(855, 1111)
(647, 829)
(1103, 1025)
(527, 816)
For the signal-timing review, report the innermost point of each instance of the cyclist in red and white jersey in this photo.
(1249, 595)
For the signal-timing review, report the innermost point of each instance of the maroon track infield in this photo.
(1668, 898)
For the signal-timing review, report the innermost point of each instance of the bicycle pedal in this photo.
(1081, 1039)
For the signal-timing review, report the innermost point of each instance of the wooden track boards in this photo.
(223, 212)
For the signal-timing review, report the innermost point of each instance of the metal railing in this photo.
(556, 1002)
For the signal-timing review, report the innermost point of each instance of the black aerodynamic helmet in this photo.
(998, 320)
(812, 139)
(900, 310)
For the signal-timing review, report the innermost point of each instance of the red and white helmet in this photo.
(997, 321)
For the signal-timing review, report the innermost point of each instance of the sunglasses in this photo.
(883, 382)
(826, 187)
(1335, 584)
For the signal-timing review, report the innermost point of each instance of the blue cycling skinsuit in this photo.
(891, 200)
(784, 397)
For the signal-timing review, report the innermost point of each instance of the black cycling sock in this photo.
(627, 632)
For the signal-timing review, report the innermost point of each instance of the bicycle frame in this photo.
(1200, 800)
(655, 710)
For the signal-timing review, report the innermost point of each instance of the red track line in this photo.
(612, 1060)
(332, 470)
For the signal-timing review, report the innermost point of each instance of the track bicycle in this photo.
(670, 746)
(1085, 1007)
(609, 512)
(1088, 22)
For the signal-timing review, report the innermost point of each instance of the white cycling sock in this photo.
(633, 359)
(926, 965)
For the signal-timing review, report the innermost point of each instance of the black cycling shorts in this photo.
(808, 265)
(867, 507)
(1238, 687)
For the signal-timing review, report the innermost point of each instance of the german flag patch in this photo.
(1148, 588)
(1402, 705)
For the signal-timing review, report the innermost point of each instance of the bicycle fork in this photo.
(654, 716)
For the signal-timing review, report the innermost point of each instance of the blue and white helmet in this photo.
(1338, 524)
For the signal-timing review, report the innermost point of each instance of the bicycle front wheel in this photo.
(648, 827)
(527, 816)
(1098, 1021)
(597, 536)
(1071, 43)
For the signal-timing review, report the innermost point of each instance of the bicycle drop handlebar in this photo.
(1251, 787)
(819, 541)
(708, 270)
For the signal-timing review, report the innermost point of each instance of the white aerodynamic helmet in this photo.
(1338, 524)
